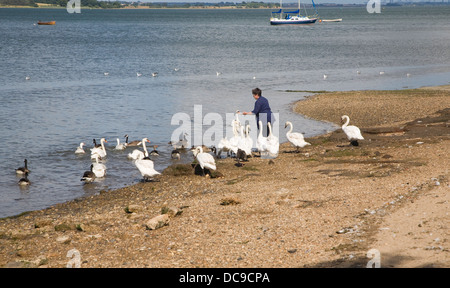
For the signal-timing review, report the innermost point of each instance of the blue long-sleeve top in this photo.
(262, 106)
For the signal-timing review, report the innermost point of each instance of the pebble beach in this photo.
(324, 206)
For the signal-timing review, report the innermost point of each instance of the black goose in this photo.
(23, 170)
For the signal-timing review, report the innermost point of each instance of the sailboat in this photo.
(281, 17)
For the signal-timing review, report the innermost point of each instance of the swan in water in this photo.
(295, 138)
(353, 133)
(99, 169)
(120, 146)
(205, 160)
(273, 144)
(100, 151)
(23, 170)
(146, 167)
(88, 176)
(261, 141)
(80, 149)
(138, 153)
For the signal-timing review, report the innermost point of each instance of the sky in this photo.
(287, 1)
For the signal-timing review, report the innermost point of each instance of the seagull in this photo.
(358, 72)
(27, 78)
(176, 69)
(138, 74)
(382, 73)
(408, 75)
(218, 73)
(106, 74)
(154, 74)
(325, 76)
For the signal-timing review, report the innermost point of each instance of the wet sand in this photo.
(326, 206)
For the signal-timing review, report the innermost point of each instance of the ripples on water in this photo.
(69, 100)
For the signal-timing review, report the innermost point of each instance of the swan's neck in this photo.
(145, 147)
(260, 129)
(103, 145)
(291, 127)
(246, 130)
(270, 129)
(347, 120)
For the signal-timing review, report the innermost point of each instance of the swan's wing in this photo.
(353, 133)
(146, 167)
(206, 160)
(297, 139)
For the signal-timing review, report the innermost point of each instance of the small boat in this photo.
(46, 23)
(281, 17)
(332, 20)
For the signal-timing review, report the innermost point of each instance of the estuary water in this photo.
(77, 80)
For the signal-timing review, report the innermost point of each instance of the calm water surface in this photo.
(69, 100)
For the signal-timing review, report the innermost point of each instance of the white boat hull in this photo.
(293, 21)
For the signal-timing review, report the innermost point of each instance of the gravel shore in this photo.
(326, 206)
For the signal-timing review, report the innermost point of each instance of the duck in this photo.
(100, 151)
(24, 181)
(241, 155)
(154, 152)
(146, 167)
(138, 153)
(205, 160)
(23, 170)
(352, 132)
(132, 143)
(296, 139)
(175, 154)
(88, 176)
(273, 144)
(120, 146)
(80, 149)
(95, 143)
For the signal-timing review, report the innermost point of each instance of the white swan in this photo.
(23, 170)
(205, 160)
(99, 169)
(100, 151)
(273, 144)
(146, 167)
(120, 146)
(136, 154)
(248, 139)
(234, 141)
(353, 133)
(243, 143)
(295, 138)
(261, 141)
(80, 149)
